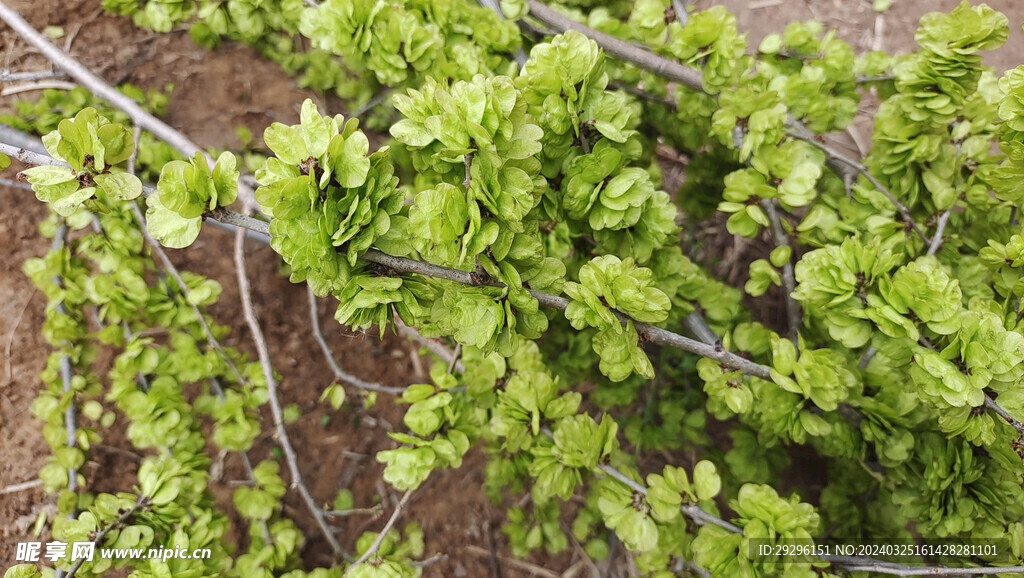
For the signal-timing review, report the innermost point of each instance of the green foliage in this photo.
(540, 186)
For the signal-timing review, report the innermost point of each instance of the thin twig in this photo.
(21, 487)
(514, 562)
(837, 158)
(8, 76)
(939, 230)
(682, 15)
(793, 311)
(620, 49)
(866, 358)
(456, 355)
(30, 157)
(373, 103)
(1017, 425)
(158, 249)
(11, 335)
(439, 557)
(446, 355)
(66, 371)
(353, 512)
(15, 185)
(140, 503)
(383, 533)
(246, 462)
(341, 374)
(245, 293)
(37, 85)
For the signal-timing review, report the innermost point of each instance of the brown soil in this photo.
(215, 92)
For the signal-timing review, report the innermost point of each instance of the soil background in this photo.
(215, 92)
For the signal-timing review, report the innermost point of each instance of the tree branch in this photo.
(793, 312)
(620, 49)
(647, 331)
(838, 159)
(341, 374)
(66, 371)
(405, 265)
(1016, 423)
(939, 230)
(383, 533)
(140, 503)
(245, 293)
(691, 78)
(158, 249)
(100, 88)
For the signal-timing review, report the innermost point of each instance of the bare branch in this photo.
(620, 49)
(66, 371)
(245, 293)
(699, 328)
(354, 512)
(384, 532)
(434, 347)
(373, 103)
(1016, 423)
(793, 312)
(9, 134)
(679, 8)
(158, 250)
(246, 463)
(37, 85)
(939, 230)
(838, 160)
(341, 374)
(21, 487)
(523, 565)
(140, 503)
(30, 157)
(8, 76)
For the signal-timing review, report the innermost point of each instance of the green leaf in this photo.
(123, 186)
(705, 480)
(170, 228)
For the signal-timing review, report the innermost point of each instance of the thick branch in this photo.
(647, 332)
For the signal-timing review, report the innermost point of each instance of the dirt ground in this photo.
(215, 92)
